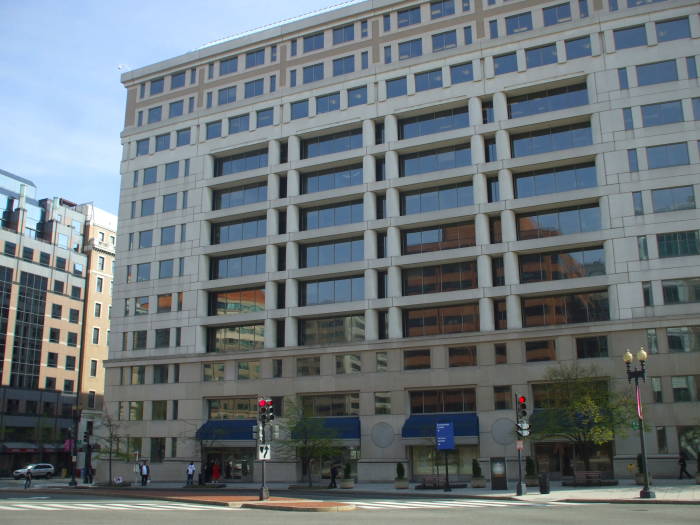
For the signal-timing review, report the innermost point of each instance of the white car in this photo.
(39, 470)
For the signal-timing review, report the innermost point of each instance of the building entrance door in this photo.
(230, 464)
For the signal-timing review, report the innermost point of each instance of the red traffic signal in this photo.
(522, 407)
(521, 399)
(262, 403)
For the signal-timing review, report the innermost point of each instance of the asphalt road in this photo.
(79, 509)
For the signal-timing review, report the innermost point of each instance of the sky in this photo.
(61, 99)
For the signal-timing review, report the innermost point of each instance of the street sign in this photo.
(445, 436)
(524, 425)
(264, 452)
(519, 444)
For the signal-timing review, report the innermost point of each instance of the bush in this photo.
(400, 471)
(529, 466)
(347, 471)
(476, 469)
(640, 464)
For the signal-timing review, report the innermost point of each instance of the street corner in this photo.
(300, 506)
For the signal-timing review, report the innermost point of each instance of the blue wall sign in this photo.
(445, 436)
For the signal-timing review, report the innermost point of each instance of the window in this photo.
(176, 109)
(435, 238)
(578, 48)
(237, 265)
(143, 272)
(630, 37)
(518, 23)
(387, 23)
(228, 65)
(416, 359)
(50, 383)
(696, 114)
(313, 73)
(428, 80)
(541, 56)
(74, 316)
(212, 372)
(685, 388)
(332, 330)
(11, 248)
(382, 403)
(169, 202)
(157, 86)
(438, 401)
(440, 198)
(58, 286)
(364, 59)
(348, 364)
(331, 179)
(332, 291)
(248, 370)
(328, 144)
(554, 180)
(332, 215)
(177, 80)
(56, 311)
(75, 292)
(657, 72)
(155, 114)
(308, 366)
(227, 95)
(433, 123)
(162, 337)
(634, 167)
(93, 367)
(165, 269)
(142, 147)
(255, 58)
(344, 34)
(443, 41)
(67, 385)
(52, 360)
(505, 64)
(95, 336)
(441, 8)
(692, 67)
(553, 139)
(334, 252)
(673, 199)
(238, 230)
(556, 14)
(461, 73)
(464, 356)
(502, 398)
(441, 320)
(672, 29)
(293, 48)
(146, 239)
(683, 339)
(254, 88)
(183, 137)
(264, 117)
(98, 310)
(236, 301)
(564, 221)
(344, 65)
(581, 307)
(72, 339)
(678, 244)
(299, 109)
(313, 42)
(159, 411)
(681, 291)
(213, 130)
(387, 54)
(493, 29)
(434, 160)
(627, 118)
(293, 78)
(566, 264)
(239, 196)
(357, 96)
(327, 103)
(540, 351)
(468, 39)
(656, 390)
(242, 162)
(662, 113)
(589, 347)
(410, 49)
(396, 87)
(364, 29)
(667, 155)
(409, 17)
(622, 78)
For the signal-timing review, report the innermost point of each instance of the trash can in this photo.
(544, 483)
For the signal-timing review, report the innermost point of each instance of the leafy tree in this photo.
(107, 437)
(580, 408)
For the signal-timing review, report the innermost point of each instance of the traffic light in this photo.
(262, 410)
(270, 410)
(86, 436)
(522, 408)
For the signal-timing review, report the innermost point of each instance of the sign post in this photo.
(445, 440)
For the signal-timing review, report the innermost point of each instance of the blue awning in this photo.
(332, 427)
(227, 429)
(423, 425)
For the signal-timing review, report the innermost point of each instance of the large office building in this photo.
(55, 296)
(394, 213)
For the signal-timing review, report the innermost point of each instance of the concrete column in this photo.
(272, 221)
(369, 206)
(604, 207)
(505, 185)
(508, 228)
(370, 245)
(292, 218)
(273, 152)
(293, 148)
(270, 295)
(273, 186)
(391, 129)
(513, 312)
(291, 296)
(371, 283)
(200, 339)
(477, 149)
(291, 332)
(368, 138)
(475, 117)
(481, 225)
(292, 255)
(500, 106)
(596, 132)
(393, 281)
(395, 322)
(371, 325)
(293, 183)
(271, 258)
(393, 205)
(481, 195)
(487, 321)
(270, 333)
(369, 169)
(502, 144)
(391, 164)
(609, 254)
(483, 271)
(393, 241)
(511, 272)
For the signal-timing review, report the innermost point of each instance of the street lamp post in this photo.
(637, 374)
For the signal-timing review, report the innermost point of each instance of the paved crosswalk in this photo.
(66, 505)
(437, 504)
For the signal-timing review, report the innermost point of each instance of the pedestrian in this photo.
(683, 463)
(191, 469)
(145, 472)
(28, 479)
(216, 471)
(334, 475)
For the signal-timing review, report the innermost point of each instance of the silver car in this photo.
(38, 470)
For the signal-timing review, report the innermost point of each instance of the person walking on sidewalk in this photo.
(28, 479)
(145, 472)
(334, 475)
(683, 463)
(191, 469)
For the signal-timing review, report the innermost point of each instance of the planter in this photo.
(347, 483)
(478, 483)
(400, 483)
(532, 481)
(639, 478)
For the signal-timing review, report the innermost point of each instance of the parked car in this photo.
(39, 470)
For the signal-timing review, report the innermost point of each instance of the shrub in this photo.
(640, 464)
(529, 466)
(347, 471)
(476, 468)
(400, 471)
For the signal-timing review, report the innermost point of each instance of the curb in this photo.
(310, 506)
(633, 501)
(407, 495)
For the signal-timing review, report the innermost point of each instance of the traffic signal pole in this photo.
(522, 428)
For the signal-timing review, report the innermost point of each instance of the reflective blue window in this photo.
(555, 180)
(332, 215)
(461, 73)
(326, 103)
(177, 80)
(344, 34)
(387, 54)
(622, 78)
(466, 5)
(142, 147)
(667, 155)
(293, 48)
(209, 99)
(632, 160)
(344, 65)
(229, 65)
(227, 95)
(176, 109)
(155, 114)
(172, 170)
(328, 144)
(364, 29)
(409, 17)
(167, 235)
(183, 137)
(213, 129)
(443, 41)
(696, 108)
(493, 29)
(672, 29)
(692, 67)
(410, 49)
(441, 8)
(635, 3)
(299, 109)
(240, 195)
(150, 175)
(332, 291)
(553, 139)
(578, 48)
(656, 73)
(630, 37)
(148, 207)
(313, 42)
(357, 96)
(583, 8)
(565, 221)
(364, 60)
(433, 123)
(238, 124)
(428, 80)
(331, 179)
(313, 73)
(468, 35)
(170, 202)
(143, 272)
(505, 63)
(663, 113)
(237, 265)
(163, 142)
(334, 252)
(238, 230)
(435, 160)
(255, 58)
(157, 86)
(273, 53)
(518, 23)
(396, 87)
(241, 162)
(627, 118)
(165, 269)
(673, 199)
(549, 100)
(541, 56)
(436, 238)
(556, 14)
(386, 20)
(433, 199)
(293, 78)
(254, 88)
(569, 264)
(264, 117)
